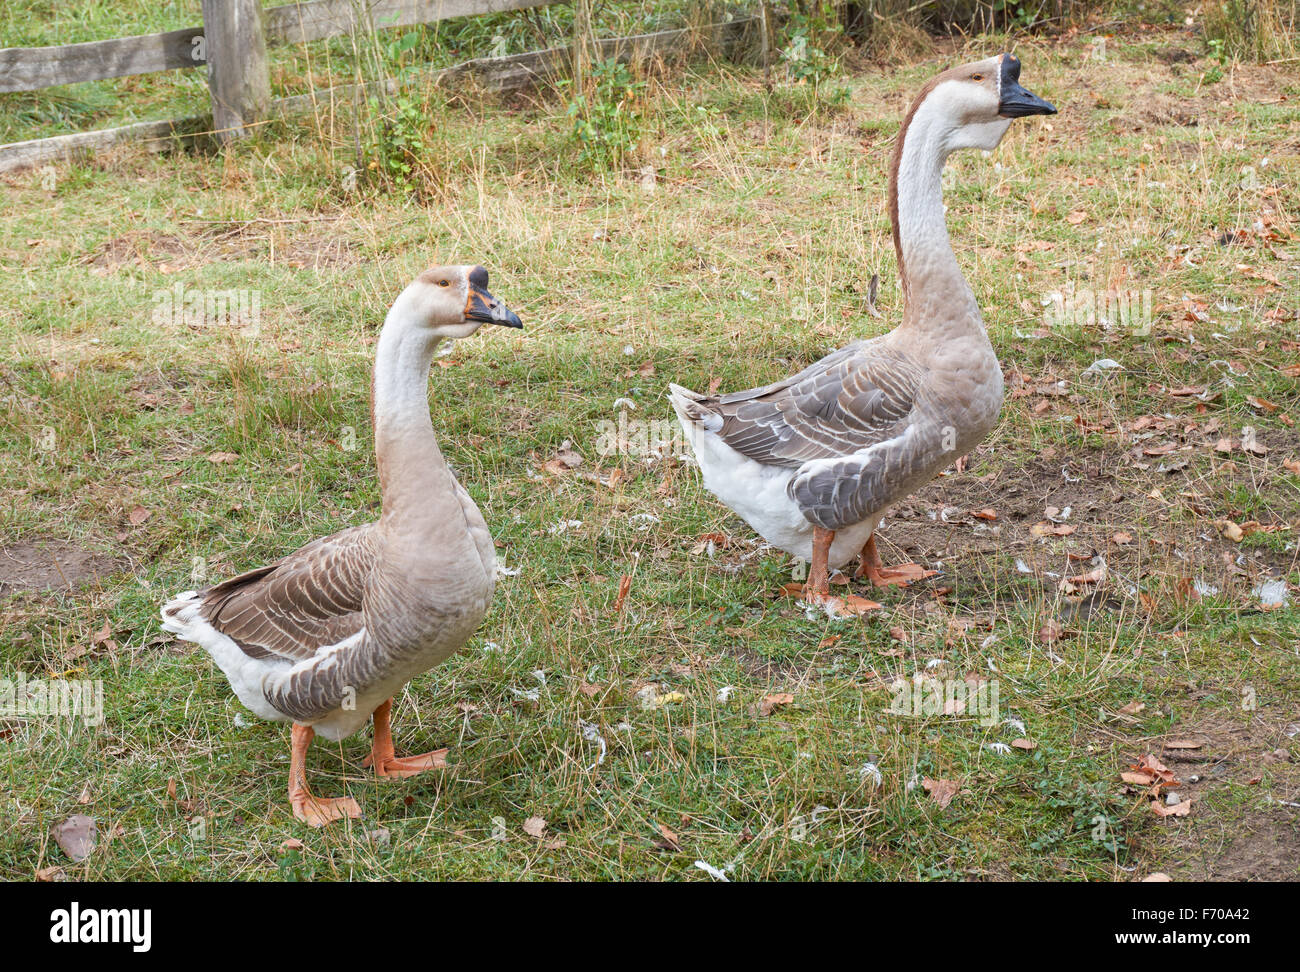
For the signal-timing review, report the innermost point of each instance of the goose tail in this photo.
(692, 408)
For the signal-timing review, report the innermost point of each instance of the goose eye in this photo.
(977, 77)
(444, 283)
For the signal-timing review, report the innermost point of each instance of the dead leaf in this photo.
(1133, 708)
(220, 457)
(670, 842)
(535, 827)
(50, 874)
(1163, 809)
(76, 835)
(291, 843)
(1076, 217)
(1229, 530)
(1046, 529)
(1291, 465)
(985, 514)
(138, 515)
(624, 585)
(1184, 744)
(771, 703)
(1051, 631)
(942, 790)
(1121, 538)
(1151, 766)
(1025, 744)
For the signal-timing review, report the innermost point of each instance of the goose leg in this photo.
(313, 810)
(383, 757)
(873, 570)
(818, 585)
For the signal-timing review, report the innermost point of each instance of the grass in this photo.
(748, 259)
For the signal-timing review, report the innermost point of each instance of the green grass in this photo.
(749, 259)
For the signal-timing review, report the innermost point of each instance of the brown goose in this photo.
(324, 637)
(813, 462)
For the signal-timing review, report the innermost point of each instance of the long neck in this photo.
(935, 294)
(412, 471)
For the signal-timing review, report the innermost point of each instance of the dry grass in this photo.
(750, 257)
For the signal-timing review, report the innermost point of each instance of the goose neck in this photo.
(936, 295)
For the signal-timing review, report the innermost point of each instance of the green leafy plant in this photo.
(398, 144)
(607, 117)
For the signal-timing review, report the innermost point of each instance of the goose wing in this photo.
(848, 401)
(300, 604)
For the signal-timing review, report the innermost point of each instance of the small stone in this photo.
(1172, 799)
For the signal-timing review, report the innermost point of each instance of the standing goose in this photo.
(813, 462)
(324, 637)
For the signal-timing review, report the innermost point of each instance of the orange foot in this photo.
(899, 576)
(870, 567)
(318, 811)
(402, 766)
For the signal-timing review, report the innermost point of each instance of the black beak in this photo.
(482, 306)
(1016, 101)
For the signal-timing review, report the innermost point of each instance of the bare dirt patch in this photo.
(51, 565)
(1222, 840)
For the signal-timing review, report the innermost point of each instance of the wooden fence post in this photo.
(581, 43)
(237, 74)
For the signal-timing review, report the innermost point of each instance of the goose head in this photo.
(977, 102)
(454, 302)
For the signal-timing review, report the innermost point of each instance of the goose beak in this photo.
(482, 306)
(1017, 103)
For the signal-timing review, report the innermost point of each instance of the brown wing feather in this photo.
(849, 400)
(294, 607)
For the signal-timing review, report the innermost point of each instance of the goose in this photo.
(813, 462)
(324, 637)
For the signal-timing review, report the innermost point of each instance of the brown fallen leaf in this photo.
(535, 827)
(773, 702)
(985, 514)
(942, 790)
(50, 874)
(1133, 708)
(670, 842)
(1025, 744)
(77, 836)
(1291, 465)
(291, 843)
(220, 457)
(1121, 538)
(1076, 217)
(1184, 744)
(1163, 809)
(1047, 529)
(565, 458)
(1229, 530)
(138, 515)
(1052, 631)
(1137, 778)
(1151, 766)
(624, 585)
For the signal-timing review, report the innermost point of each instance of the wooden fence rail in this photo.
(496, 73)
(32, 68)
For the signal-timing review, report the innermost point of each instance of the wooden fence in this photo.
(232, 44)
